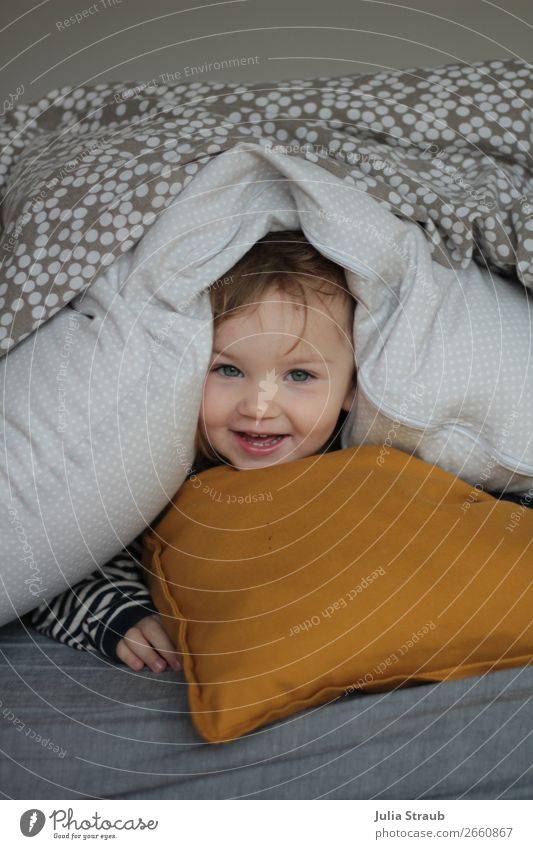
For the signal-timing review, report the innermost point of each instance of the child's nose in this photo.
(257, 404)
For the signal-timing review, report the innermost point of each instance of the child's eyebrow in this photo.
(293, 359)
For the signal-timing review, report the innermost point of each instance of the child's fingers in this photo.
(156, 635)
(138, 644)
(141, 644)
(128, 657)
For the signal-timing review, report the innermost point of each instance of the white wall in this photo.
(136, 40)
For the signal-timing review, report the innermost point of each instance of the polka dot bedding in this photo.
(122, 205)
(84, 172)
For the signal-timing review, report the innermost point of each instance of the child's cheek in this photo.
(215, 403)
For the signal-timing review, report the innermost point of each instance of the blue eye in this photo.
(294, 371)
(226, 366)
(300, 371)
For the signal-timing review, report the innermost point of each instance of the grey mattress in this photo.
(125, 735)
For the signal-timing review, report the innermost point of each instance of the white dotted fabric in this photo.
(84, 172)
(101, 405)
(445, 370)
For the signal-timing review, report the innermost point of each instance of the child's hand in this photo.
(135, 647)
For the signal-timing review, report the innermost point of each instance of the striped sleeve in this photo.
(95, 613)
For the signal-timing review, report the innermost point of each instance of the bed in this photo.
(125, 735)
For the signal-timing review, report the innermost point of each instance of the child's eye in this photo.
(294, 371)
(300, 371)
(217, 368)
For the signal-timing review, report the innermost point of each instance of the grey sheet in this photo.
(124, 735)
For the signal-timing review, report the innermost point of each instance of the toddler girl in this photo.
(275, 391)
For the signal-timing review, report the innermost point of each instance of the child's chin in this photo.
(263, 462)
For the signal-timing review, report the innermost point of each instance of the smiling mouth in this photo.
(258, 442)
(261, 438)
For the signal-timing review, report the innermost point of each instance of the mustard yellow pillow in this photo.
(287, 587)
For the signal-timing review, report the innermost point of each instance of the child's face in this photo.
(254, 386)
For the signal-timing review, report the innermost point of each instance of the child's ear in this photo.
(350, 395)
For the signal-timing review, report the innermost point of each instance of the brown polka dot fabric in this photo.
(84, 172)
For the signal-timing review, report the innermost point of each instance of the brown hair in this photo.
(276, 262)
